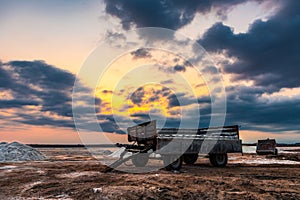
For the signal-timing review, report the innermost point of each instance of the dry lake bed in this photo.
(72, 173)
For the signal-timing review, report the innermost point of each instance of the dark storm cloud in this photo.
(43, 82)
(179, 68)
(108, 124)
(254, 114)
(35, 83)
(165, 92)
(44, 120)
(175, 68)
(42, 74)
(172, 14)
(204, 99)
(137, 96)
(111, 127)
(148, 13)
(141, 53)
(180, 99)
(140, 117)
(5, 79)
(247, 107)
(173, 101)
(172, 123)
(268, 53)
(245, 94)
(154, 98)
(17, 103)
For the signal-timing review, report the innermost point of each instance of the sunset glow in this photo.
(249, 56)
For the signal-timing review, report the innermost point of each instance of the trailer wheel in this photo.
(218, 160)
(140, 160)
(175, 165)
(190, 158)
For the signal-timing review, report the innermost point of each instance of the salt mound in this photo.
(19, 152)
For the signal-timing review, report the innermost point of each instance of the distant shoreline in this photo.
(113, 145)
(278, 144)
(71, 145)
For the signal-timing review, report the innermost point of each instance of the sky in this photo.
(202, 63)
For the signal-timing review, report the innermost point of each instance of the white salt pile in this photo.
(19, 152)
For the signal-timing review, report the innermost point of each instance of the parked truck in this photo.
(176, 146)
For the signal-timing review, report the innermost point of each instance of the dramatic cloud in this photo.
(40, 120)
(163, 95)
(35, 93)
(172, 14)
(141, 53)
(247, 107)
(268, 53)
(174, 68)
(140, 117)
(38, 81)
(180, 99)
(250, 108)
(38, 94)
(179, 68)
(137, 96)
(108, 124)
(17, 103)
(173, 101)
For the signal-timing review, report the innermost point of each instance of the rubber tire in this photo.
(190, 158)
(140, 160)
(218, 160)
(176, 165)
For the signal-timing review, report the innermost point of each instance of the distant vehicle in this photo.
(185, 144)
(267, 146)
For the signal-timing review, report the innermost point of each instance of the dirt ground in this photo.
(76, 175)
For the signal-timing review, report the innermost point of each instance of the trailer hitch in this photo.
(123, 159)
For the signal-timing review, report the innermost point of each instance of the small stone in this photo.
(97, 190)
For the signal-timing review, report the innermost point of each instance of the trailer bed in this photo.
(205, 140)
(181, 145)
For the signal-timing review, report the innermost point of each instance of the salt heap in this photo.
(18, 152)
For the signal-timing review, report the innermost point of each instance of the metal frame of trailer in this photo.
(180, 145)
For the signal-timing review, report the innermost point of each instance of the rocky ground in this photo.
(74, 174)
